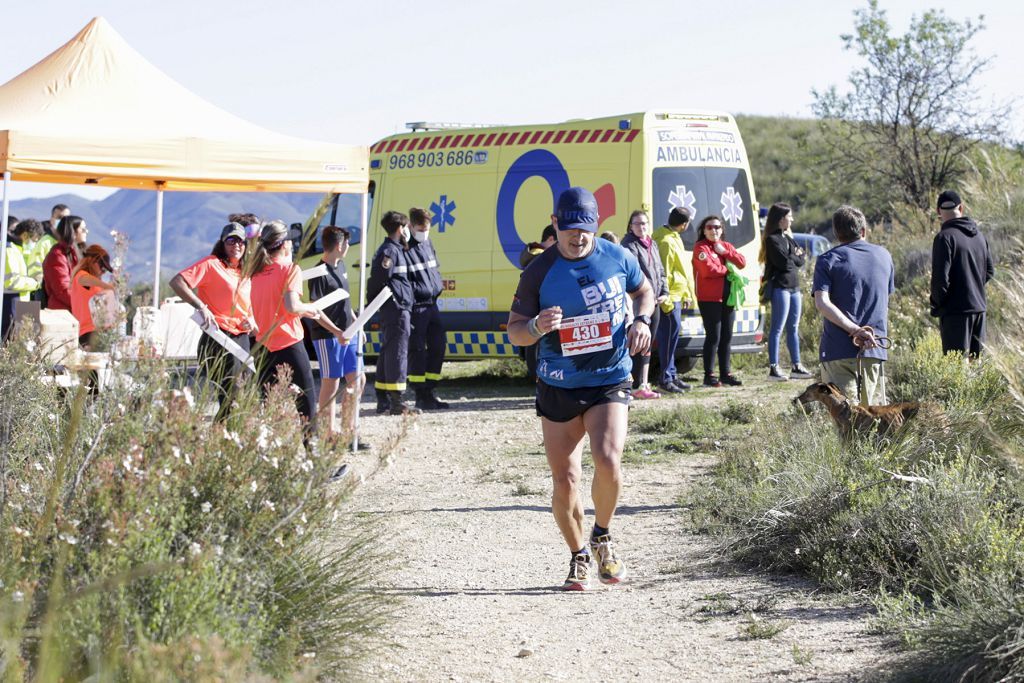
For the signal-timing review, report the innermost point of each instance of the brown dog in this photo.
(852, 418)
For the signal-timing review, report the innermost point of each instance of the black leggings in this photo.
(641, 362)
(294, 357)
(221, 369)
(718, 321)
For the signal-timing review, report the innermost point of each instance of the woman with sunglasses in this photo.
(87, 282)
(214, 286)
(711, 254)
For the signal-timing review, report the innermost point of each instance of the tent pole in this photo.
(3, 242)
(363, 219)
(159, 238)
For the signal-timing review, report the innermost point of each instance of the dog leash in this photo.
(880, 342)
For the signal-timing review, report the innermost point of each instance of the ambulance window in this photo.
(729, 191)
(684, 187)
(704, 191)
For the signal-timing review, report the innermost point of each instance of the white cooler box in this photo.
(181, 334)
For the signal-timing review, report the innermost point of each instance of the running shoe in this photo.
(610, 568)
(775, 375)
(645, 392)
(732, 380)
(800, 372)
(669, 388)
(681, 385)
(339, 473)
(579, 573)
(711, 381)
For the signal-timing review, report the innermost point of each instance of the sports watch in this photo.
(646, 319)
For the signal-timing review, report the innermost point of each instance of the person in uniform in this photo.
(427, 339)
(571, 301)
(390, 268)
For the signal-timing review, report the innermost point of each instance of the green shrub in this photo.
(134, 531)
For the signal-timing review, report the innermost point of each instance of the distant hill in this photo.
(192, 220)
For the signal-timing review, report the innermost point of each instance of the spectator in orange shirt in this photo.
(214, 285)
(87, 282)
(278, 309)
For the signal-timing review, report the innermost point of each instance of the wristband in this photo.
(532, 328)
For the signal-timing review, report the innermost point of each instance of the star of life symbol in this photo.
(732, 206)
(683, 198)
(442, 211)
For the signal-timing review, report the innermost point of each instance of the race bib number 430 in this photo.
(586, 334)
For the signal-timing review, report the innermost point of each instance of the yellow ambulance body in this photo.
(491, 190)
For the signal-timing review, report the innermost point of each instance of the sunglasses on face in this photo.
(233, 241)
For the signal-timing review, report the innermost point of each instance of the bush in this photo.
(931, 519)
(135, 534)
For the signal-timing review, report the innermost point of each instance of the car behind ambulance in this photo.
(491, 190)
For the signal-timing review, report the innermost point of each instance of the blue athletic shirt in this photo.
(595, 284)
(859, 277)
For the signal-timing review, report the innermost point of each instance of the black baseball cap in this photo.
(232, 230)
(577, 210)
(949, 200)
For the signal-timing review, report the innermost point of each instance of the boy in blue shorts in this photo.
(338, 357)
(571, 302)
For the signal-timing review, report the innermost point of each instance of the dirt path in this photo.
(465, 502)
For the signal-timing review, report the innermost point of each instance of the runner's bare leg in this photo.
(606, 424)
(563, 443)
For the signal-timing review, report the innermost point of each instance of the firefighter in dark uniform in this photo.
(427, 341)
(390, 268)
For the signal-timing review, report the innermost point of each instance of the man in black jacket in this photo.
(961, 266)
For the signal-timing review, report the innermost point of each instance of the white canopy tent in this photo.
(95, 112)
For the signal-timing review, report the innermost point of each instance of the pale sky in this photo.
(353, 72)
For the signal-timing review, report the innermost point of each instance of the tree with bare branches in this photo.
(913, 111)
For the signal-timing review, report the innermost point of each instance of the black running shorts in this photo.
(562, 405)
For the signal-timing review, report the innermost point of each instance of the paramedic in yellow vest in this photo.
(673, 258)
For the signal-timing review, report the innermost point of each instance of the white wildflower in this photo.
(127, 462)
(25, 488)
(274, 462)
(263, 438)
(279, 541)
(195, 493)
(187, 393)
(30, 345)
(306, 466)
(309, 655)
(206, 507)
(167, 471)
(176, 452)
(188, 460)
(303, 518)
(253, 486)
(195, 549)
(299, 529)
(270, 504)
(18, 596)
(22, 532)
(52, 417)
(218, 550)
(37, 467)
(70, 540)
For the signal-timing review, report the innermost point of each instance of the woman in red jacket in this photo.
(61, 261)
(710, 255)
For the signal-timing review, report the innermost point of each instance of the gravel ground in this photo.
(464, 499)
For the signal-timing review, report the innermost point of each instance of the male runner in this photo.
(571, 300)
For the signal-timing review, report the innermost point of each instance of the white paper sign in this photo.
(316, 271)
(329, 299)
(371, 308)
(227, 342)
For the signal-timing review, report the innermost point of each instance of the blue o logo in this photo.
(538, 162)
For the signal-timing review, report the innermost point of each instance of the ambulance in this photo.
(491, 190)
